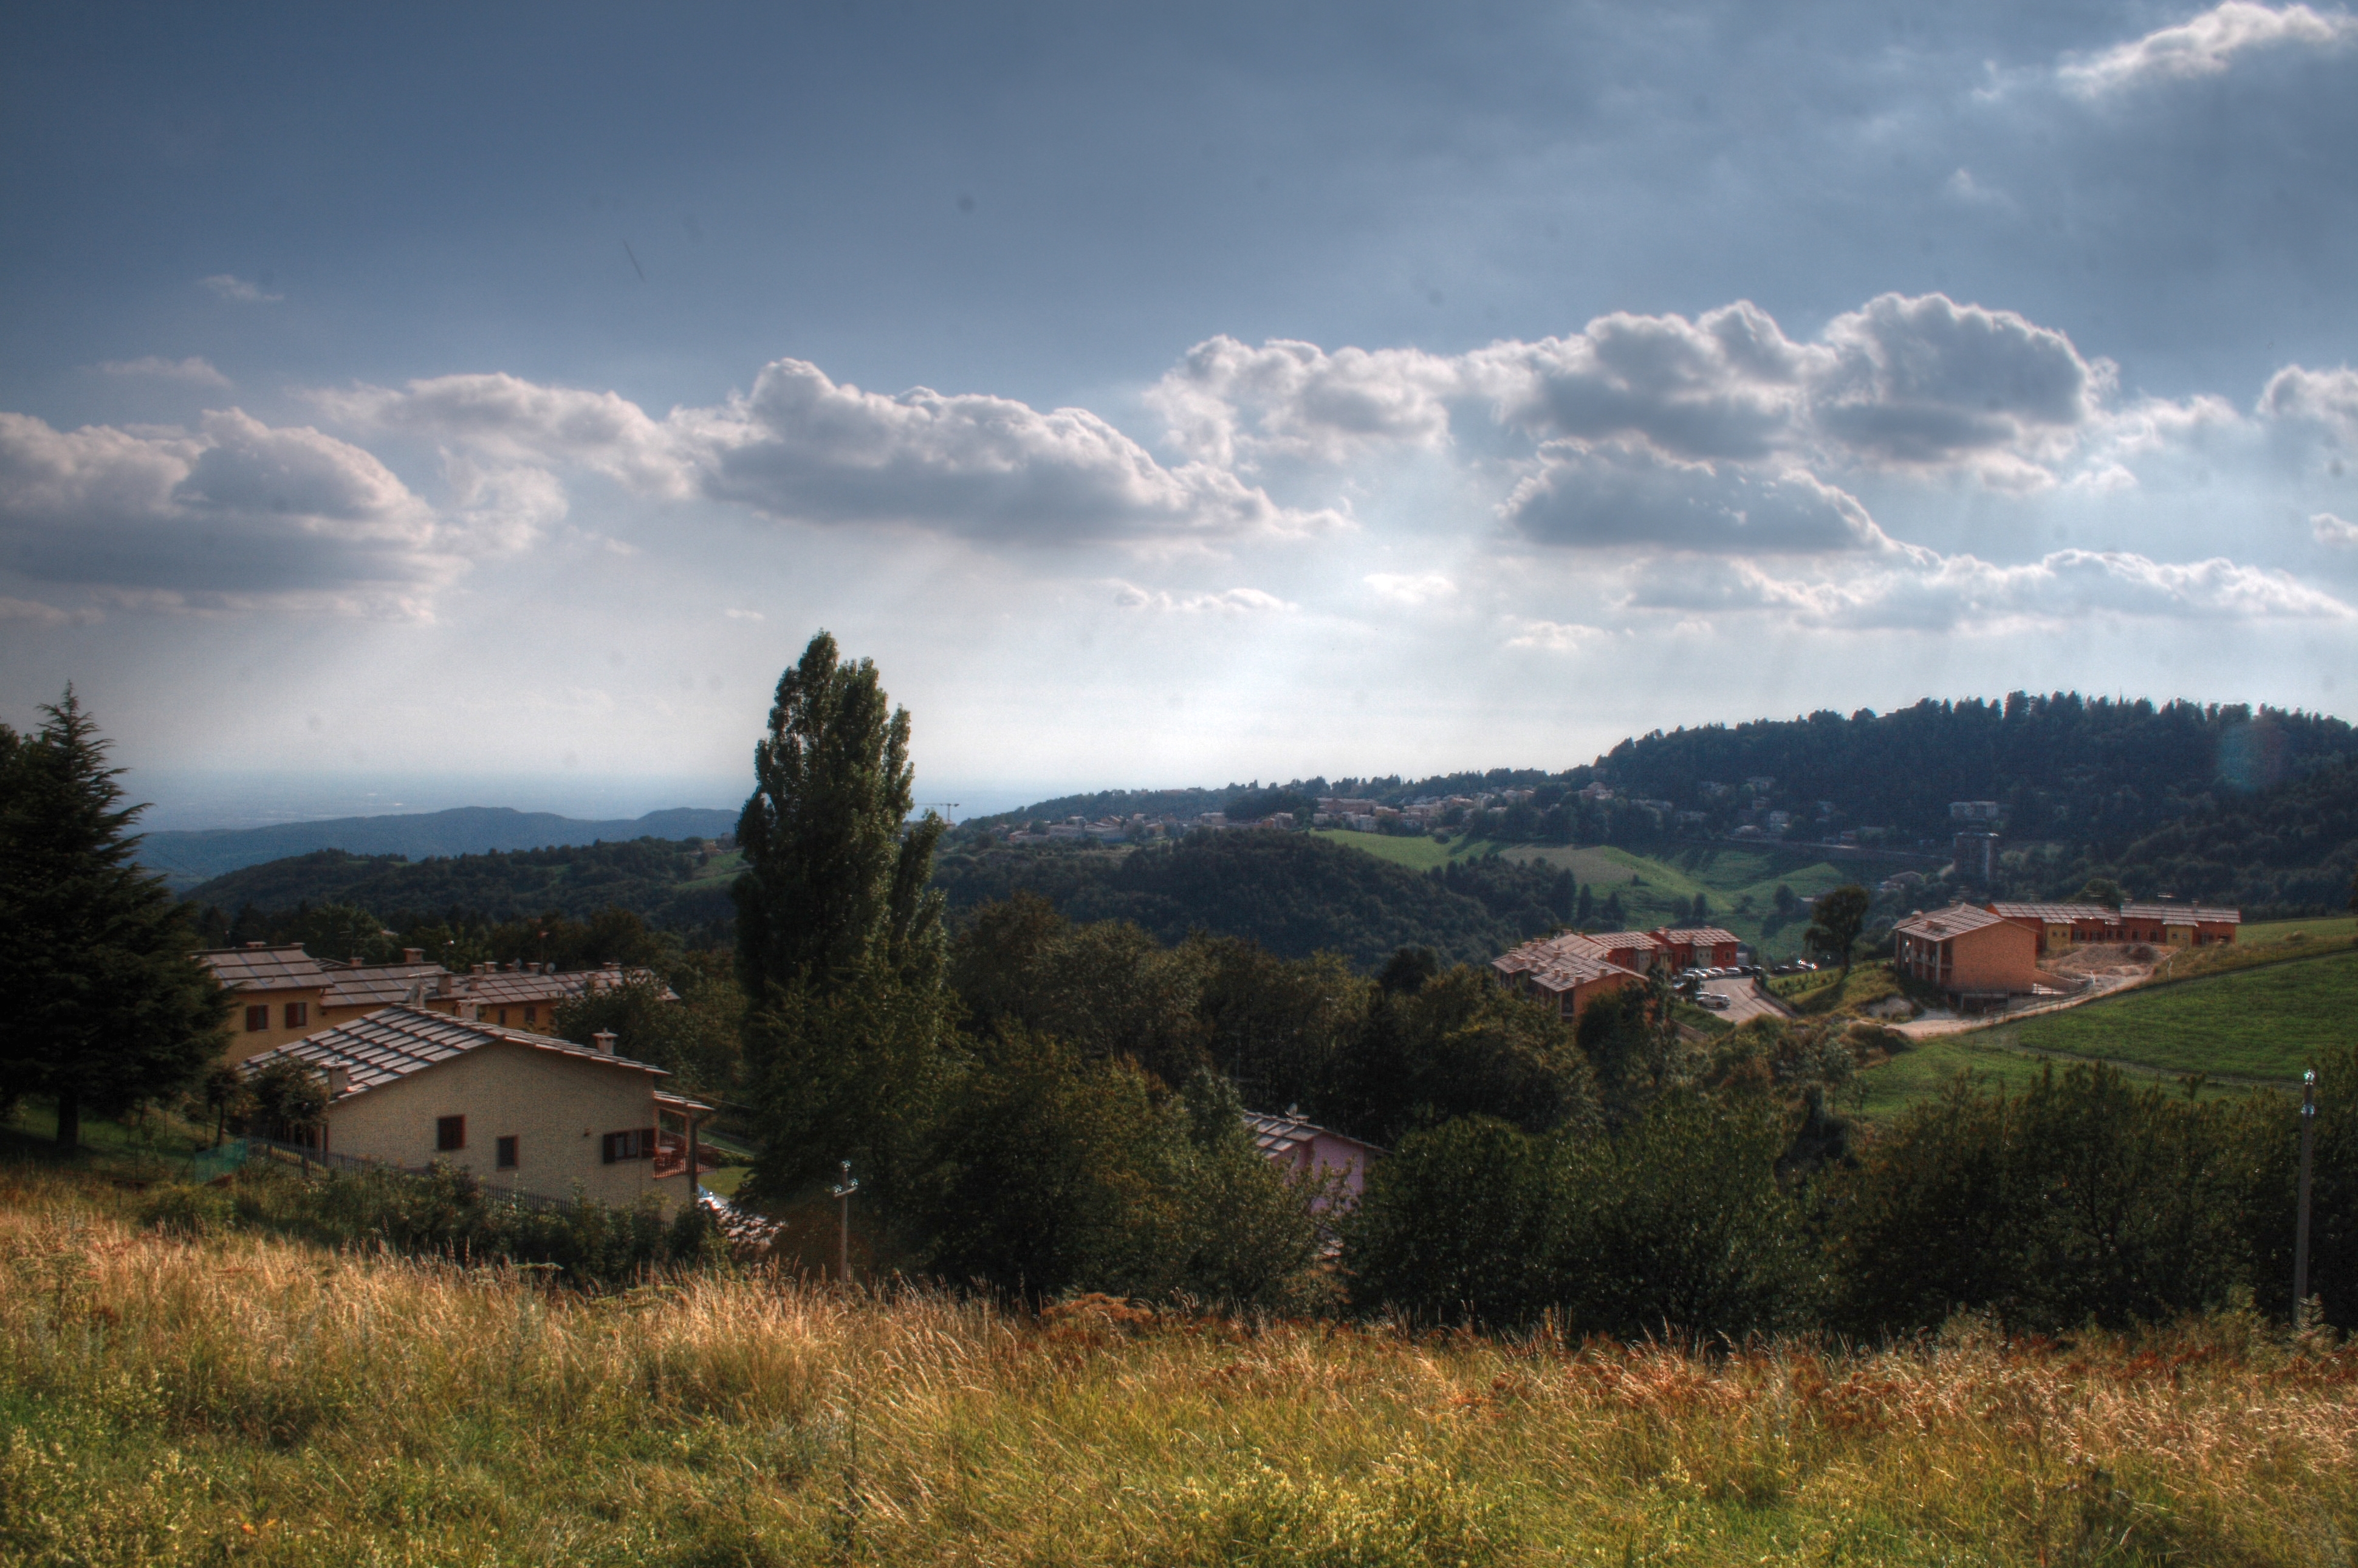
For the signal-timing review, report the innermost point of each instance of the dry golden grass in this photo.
(238, 1399)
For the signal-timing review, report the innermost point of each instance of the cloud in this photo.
(1410, 588)
(2328, 529)
(194, 371)
(1554, 636)
(2326, 400)
(742, 614)
(26, 611)
(227, 285)
(801, 447)
(1929, 592)
(2206, 46)
(232, 515)
(1234, 601)
(1629, 495)
(1226, 403)
(1926, 382)
(1908, 384)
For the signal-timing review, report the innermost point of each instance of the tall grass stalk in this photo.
(230, 1398)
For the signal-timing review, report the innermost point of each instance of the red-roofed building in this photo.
(1568, 971)
(1698, 946)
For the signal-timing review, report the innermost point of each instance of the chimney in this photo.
(258, 944)
(614, 965)
(339, 1082)
(447, 984)
(605, 1039)
(413, 955)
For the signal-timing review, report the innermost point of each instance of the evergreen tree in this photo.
(109, 1009)
(1838, 916)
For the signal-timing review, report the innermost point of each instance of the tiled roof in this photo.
(387, 1046)
(2181, 912)
(1560, 963)
(2051, 913)
(379, 985)
(1276, 1135)
(1939, 925)
(263, 968)
(1607, 941)
(508, 987)
(1696, 935)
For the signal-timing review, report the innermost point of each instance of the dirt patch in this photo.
(2133, 960)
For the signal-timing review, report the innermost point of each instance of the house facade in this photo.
(274, 995)
(1317, 1152)
(1698, 946)
(1568, 971)
(1968, 953)
(524, 1112)
(2062, 926)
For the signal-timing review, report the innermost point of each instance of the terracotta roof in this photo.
(263, 968)
(1696, 935)
(507, 988)
(2051, 913)
(387, 1046)
(378, 985)
(1275, 1135)
(1606, 941)
(2181, 912)
(1560, 963)
(1939, 925)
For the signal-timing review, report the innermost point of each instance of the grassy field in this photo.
(1738, 883)
(2326, 928)
(237, 1398)
(2261, 1023)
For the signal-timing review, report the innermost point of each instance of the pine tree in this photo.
(110, 1010)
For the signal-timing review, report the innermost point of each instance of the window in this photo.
(298, 1015)
(638, 1143)
(449, 1132)
(532, 1015)
(257, 1019)
(505, 1157)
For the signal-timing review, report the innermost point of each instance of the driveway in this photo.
(1747, 1000)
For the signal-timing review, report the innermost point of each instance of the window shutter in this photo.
(646, 1143)
(606, 1148)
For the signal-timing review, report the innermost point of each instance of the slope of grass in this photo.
(2263, 1024)
(230, 1398)
(1924, 1072)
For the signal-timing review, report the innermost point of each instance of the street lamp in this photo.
(2300, 1225)
(842, 1192)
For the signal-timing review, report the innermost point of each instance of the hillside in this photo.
(670, 884)
(1289, 891)
(185, 860)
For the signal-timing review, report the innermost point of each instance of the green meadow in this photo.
(1739, 885)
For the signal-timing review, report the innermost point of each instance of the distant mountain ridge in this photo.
(187, 859)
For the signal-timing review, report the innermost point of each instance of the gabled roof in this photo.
(507, 988)
(1560, 963)
(2175, 913)
(389, 1045)
(378, 985)
(1695, 937)
(259, 968)
(1607, 941)
(2052, 913)
(1939, 925)
(1276, 1135)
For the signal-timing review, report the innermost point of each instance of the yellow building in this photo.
(527, 1113)
(275, 994)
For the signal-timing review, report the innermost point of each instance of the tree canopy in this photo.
(109, 1009)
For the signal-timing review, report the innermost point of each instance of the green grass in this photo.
(2263, 1024)
(1666, 886)
(1923, 1072)
(2325, 928)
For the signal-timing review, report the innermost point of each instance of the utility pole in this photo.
(843, 1191)
(2300, 1230)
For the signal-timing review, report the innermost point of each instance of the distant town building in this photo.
(1977, 856)
(1973, 811)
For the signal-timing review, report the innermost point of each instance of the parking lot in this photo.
(1745, 997)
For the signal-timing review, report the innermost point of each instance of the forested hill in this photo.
(672, 884)
(187, 859)
(1293, 893)
(2081, 770)
(2292, 849)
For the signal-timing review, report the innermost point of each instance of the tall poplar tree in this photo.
(109, 1009)
(838, 935)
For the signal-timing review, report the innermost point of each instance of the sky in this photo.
(423, 405)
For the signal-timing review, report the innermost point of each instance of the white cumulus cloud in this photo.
(1631, 495)
(1233, 602)
(229, 286)
(2207, 45)
(2328, 529)
(1410, 588)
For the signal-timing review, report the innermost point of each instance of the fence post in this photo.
(2300, 1225)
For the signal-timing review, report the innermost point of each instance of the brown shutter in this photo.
(606, 1148)
(646, 1143)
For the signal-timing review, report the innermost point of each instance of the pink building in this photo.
(1311, 1151)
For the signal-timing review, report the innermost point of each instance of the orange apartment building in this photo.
(2063, 926)
(1968, 952)
(1575, 969)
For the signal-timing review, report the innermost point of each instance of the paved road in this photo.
(1933, 1024)
(1747, 1000)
